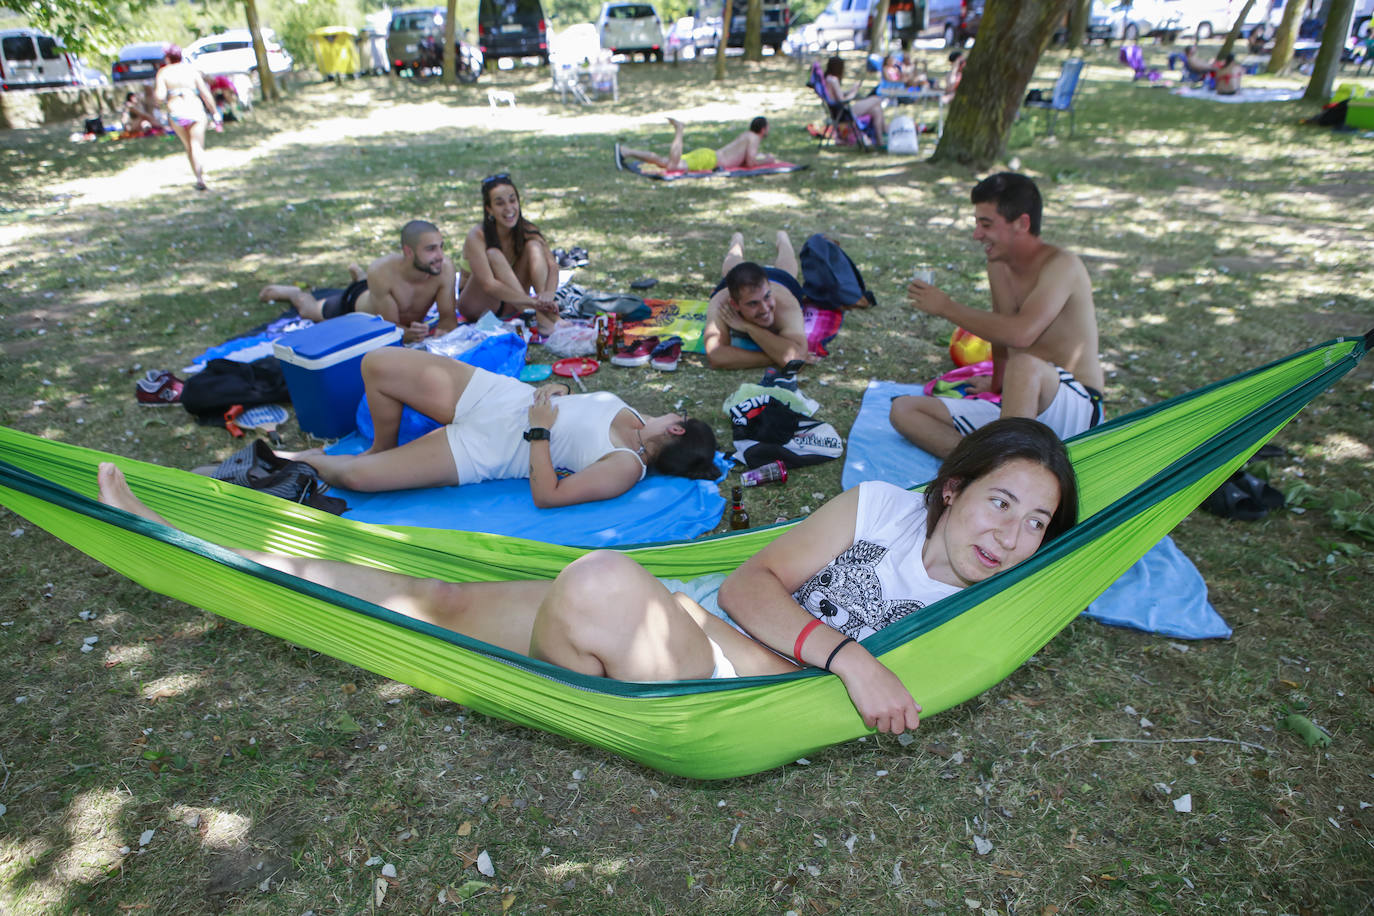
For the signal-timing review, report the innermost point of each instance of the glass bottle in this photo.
(739, 519)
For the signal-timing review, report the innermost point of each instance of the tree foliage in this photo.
(1011, 38)
(82, 25)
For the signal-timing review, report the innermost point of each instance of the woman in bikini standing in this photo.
(504, 257)
(182, 91)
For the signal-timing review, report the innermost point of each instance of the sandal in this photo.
(249, 463)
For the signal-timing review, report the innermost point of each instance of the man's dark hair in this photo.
(955, 55)
(759, 124)
(691, 455)
(1013, 195)
(988, 448)
(411, 232)
(744, 275)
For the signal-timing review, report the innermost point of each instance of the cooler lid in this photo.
(326, 337)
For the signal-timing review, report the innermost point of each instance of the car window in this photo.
(48, 48)
(20, 47)
(630, 12)
(414, 22)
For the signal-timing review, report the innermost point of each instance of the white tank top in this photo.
(581, 433)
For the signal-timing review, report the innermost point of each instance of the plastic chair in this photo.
(842, 127)
(1062, 96)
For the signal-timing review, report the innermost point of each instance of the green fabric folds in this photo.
(1139, 476)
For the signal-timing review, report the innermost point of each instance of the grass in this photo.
(280, 781)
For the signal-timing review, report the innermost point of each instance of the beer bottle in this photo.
(739, 519)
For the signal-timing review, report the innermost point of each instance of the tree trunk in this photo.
(878, 38)
(265, 80)
(1232, 35)
(753, 30)
(1284, 38)
(1329, 55)
(723, 41)
(1078, 23)
(1011, 38)
(450, 57)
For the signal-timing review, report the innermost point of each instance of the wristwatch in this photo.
(536, 434)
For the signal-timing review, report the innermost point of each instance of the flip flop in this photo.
(644, 283)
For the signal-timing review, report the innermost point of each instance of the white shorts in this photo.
(703, 590)
(486, 436)
(1076, 408)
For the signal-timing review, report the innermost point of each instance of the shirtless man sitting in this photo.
(755, 316)
(1042, 327)
(741, 152)
(400, 287)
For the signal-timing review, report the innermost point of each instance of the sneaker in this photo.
(635, 353)
(619, 159)
(159, 389)
(665, 356)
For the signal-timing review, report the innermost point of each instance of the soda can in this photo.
(768, 473)
(612, 330)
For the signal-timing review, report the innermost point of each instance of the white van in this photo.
(844, 20)
(32, 60)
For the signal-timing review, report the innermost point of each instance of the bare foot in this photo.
(278, 292)
(677, 125)
(356, 272)
(115, 492)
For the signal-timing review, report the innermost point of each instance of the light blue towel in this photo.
(1162, 593)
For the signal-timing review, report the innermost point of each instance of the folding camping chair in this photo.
(842, 126)
(1062, 96)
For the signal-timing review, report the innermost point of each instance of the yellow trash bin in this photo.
(336, 51)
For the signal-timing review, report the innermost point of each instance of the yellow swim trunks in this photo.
(699, 160)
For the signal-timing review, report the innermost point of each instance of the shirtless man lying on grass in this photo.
(741, 152)
(755, 315)
(400, 287)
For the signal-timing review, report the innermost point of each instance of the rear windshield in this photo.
(47, 48)
(415, 21)
(19, 47)
(511, 10)
(637, 11)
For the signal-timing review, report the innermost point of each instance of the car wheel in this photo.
(1130, 33)
(949, 36)
(1204, 31)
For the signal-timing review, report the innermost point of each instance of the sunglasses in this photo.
(498, 178)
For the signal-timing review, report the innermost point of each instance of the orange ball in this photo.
(966, 349)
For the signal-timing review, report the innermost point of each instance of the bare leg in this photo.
(193, 138)
(500, 613)
(306, 305)
(786, 258)
(926, 423)
(537, 270)
(675, 148)
(734, 254)
(1029, 385)
(606, 616)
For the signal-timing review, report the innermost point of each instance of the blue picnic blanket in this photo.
(1162, 593)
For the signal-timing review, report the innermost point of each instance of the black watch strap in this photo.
(536, 433)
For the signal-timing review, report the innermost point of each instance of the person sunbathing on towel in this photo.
(505, 256)
(864, 560)
(573, 448)
(743, 152)
(400, 287)
(1042, 327)
(755, 317)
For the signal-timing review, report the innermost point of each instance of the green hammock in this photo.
(1139, 476)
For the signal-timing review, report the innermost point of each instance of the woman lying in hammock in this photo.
(865, 559)
(574, 448)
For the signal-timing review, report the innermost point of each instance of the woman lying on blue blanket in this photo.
(574, 448)
(864, 560)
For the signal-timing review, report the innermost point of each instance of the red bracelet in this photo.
(801, 638)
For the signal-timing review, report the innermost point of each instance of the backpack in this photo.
(224, 383)
(829, 277)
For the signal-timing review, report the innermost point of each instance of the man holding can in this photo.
(1042, 327)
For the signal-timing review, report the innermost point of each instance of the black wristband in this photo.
(536, 433)
(836, 651)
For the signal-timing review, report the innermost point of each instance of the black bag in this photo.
(224, 383)
(829, 277)
(95, 126)
(766, 429)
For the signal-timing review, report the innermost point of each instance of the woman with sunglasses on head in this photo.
(504, 257)
(573, 448)
(863, 561)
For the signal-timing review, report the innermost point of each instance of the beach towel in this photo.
(1162, 593)
(658, 173)
(687, 319)
(1247, 94)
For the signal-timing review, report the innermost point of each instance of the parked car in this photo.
(139, 61)
(956, 21)
(680, 41)
(844, 20)
(577, 44)
(232, 52)
(512, 29)
(1099, 27)
(32, 60)
(777, 20)
(405, 32)
(1131, 20)
(630, 29)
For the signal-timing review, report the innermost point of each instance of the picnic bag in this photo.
(766, 430)
(829, 278)
(224, 383)
(902, 137)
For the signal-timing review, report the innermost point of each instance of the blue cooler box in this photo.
(323, 369)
